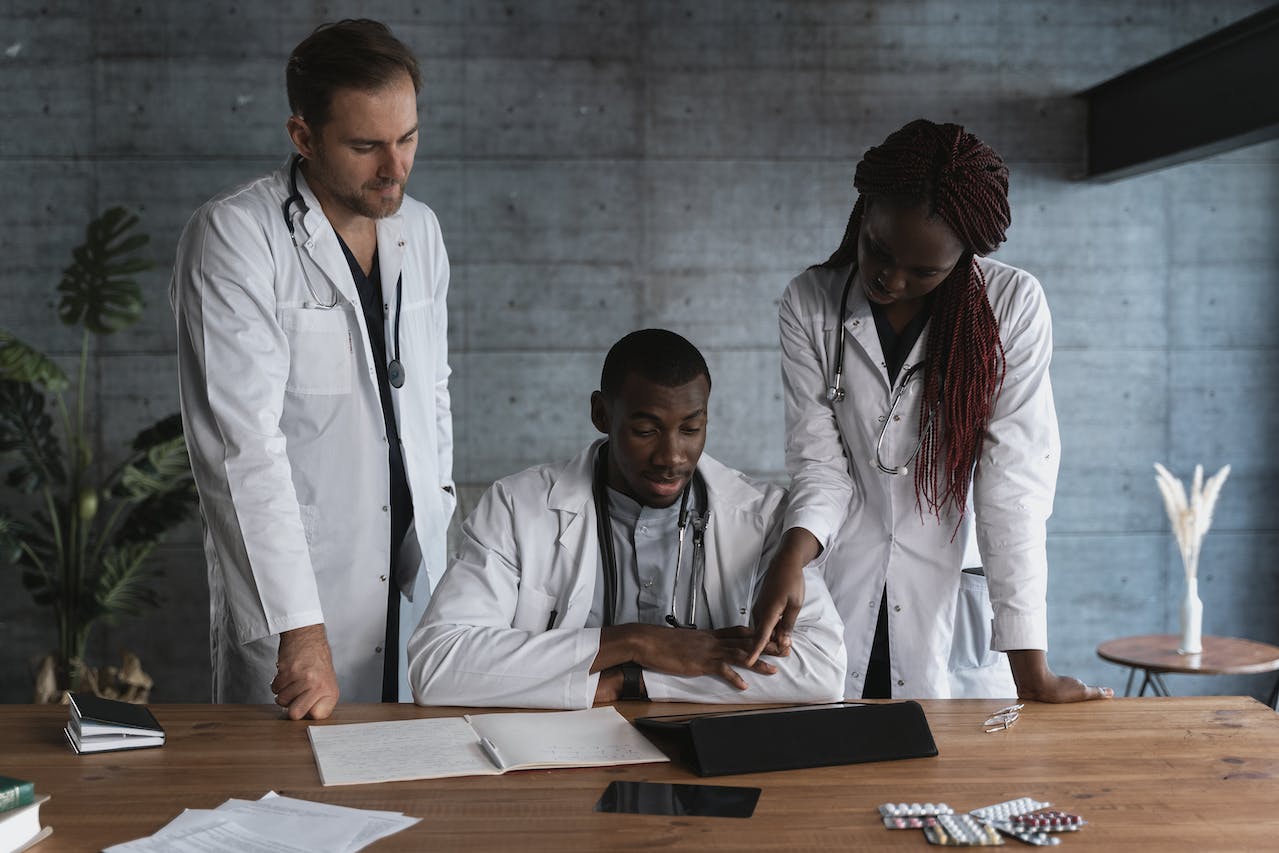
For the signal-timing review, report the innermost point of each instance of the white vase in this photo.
(1192, 618)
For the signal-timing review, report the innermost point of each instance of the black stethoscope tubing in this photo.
(604, 532)
(395, 373)
(835, 391)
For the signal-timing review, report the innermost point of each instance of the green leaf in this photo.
(162, 431)
(124, 587)
(157, 515)
(21, 363)
(97, 289)
(10, 539)
(28, 430)
(165, 468)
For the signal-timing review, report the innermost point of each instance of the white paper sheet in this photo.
(596, 736)
(359, 753)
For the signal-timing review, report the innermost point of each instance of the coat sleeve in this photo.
(812, 672)
(468, 649)
(821, 489)
(233, 359)
(1016, 475)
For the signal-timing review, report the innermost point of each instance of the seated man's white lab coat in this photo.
(531, 549)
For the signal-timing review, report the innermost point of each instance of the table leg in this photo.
(1145, 681)
(1274, 696)
(1132, 671)
(1157, 679)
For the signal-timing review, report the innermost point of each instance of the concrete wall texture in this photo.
(604, 166)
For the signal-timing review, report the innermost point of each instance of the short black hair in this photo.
(349, 54)
(657, 355)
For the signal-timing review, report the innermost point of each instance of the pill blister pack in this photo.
(961, 830)
(1026, 819)
(912, 815)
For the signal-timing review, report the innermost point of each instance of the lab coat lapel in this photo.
(320, 244)
(572, 497)
(734, 540)
(859, 328)
(390, 253)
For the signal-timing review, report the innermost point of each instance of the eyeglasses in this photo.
(1002, 719)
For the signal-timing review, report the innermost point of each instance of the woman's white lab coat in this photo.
(869, 521)
(286, 434)
(530, 557)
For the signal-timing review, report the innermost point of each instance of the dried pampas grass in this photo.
(1191, 516)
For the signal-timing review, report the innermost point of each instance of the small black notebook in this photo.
(102, 725)
(795, 737)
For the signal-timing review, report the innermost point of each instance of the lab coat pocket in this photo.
(974, 617)
(321, 352)
(533, 611)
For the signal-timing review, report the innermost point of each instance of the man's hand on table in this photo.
(1037, 683)
(305, 683)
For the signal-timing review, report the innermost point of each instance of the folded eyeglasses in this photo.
(1002, 719)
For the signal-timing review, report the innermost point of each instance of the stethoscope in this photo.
(835, 391)
(394, 370)
(687, 517)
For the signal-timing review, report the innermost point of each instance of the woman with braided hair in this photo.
(919, 413)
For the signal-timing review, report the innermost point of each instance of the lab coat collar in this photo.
(859, 326)
(321, 244)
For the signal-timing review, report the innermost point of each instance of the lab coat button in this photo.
(901, 683)
(385, 508)
(882, 419)
(896, 418)
(857, 675)
(310, 244)
(382, 578)
(378, 650)
(897, 608)
(857, 322)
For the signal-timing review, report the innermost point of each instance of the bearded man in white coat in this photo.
(313, 369)
(572, 587)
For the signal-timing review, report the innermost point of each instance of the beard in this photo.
(365, 200)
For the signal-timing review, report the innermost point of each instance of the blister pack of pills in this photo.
(1026, 836)
(1049, 820)
(912, 815)
(1009, 809)
(961, 830)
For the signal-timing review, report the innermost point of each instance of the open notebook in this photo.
(476, 745)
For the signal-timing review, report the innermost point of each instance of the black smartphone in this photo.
(662, 798)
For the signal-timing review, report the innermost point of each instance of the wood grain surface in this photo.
(1197, 773)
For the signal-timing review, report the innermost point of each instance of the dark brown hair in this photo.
(350, 54)
(965, 183)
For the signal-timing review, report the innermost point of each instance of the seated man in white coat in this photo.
(627, 572)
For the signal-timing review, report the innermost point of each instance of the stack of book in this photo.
(20, 815)
(105, 725)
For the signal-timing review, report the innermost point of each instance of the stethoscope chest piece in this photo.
(395, 373)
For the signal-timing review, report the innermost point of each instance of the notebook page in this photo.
(594, 737)
(359, 753)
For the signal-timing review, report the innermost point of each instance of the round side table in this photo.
(1156, 654)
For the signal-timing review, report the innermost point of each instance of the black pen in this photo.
(550, 623)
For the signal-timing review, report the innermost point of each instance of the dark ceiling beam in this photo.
(1215, 94)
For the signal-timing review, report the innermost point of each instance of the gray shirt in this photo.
(646, 540)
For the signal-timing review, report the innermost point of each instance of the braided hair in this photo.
(964, 183)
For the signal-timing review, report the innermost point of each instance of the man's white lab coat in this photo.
(530, 555)
(286, 433)
(869, 521)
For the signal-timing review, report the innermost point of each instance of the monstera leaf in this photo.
(25, 428)
(124, 587)
(160, 484)
(97, 289)
(21, 363)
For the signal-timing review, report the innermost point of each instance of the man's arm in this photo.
(812, 672)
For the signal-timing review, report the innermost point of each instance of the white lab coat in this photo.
(869, 522)
(286, 434)
(530, 549)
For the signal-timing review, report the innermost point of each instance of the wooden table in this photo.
(1156, 654)
(1197, 773)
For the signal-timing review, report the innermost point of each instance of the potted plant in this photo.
(81, 530)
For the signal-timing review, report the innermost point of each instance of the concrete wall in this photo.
(603, 166)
